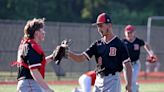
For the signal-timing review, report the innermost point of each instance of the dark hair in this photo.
(32, 26)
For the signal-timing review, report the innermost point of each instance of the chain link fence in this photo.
(82, 36)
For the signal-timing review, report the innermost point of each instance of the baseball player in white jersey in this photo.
(86, 81)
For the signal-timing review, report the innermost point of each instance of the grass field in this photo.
(154, 82)
(144, 87)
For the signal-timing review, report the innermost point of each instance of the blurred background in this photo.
(72, 19)
(82, 11)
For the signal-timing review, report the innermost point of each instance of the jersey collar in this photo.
(109, 40)
(132, 40)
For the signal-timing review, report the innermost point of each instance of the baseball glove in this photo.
(61, 51)
(151, 59)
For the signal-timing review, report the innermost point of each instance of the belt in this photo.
(102, 74)
(134, 62)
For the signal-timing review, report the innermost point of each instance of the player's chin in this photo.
(42, 39)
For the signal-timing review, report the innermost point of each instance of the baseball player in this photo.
(86, 81)
(134, 44)
(31, 59)
(110, 54)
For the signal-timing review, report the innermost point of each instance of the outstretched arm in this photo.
(76, 57)
(152, 58)
(49, 58)
(148, 49)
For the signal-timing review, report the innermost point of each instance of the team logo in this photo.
(112, 51)
(136, 47)
(23, 50)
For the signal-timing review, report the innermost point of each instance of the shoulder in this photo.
(119, 41)
(36, 47)
(96, 42)
(121, 44)
(99, 41)
(124, 39)
(139, 39)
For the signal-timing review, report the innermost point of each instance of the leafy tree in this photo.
(121, 11)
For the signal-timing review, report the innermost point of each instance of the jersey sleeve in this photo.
(33, 58)
(141, 42)
(90, 51)
(124, 53)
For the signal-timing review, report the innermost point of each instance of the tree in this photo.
(121, 11)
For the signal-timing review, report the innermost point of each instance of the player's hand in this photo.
(128, 88)
(151, 59)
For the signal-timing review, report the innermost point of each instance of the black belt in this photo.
(102, 74)
(134, 62)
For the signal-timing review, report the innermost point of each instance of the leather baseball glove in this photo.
(61, 51)
(151, 59)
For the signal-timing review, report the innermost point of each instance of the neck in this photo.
(131, 39)
(108, 37)
(36, 40)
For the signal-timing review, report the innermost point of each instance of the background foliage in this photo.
(121, 11)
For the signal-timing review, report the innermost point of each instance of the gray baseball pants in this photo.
(110, 83)
(28, 85)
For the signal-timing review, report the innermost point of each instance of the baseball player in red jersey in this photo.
(31, 60)
(110, 54)
(134, 45)
(86, 81)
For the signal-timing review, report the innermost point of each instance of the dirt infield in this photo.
(153, 77)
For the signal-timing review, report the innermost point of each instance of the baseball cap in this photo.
(129, 28)
(103, 18)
